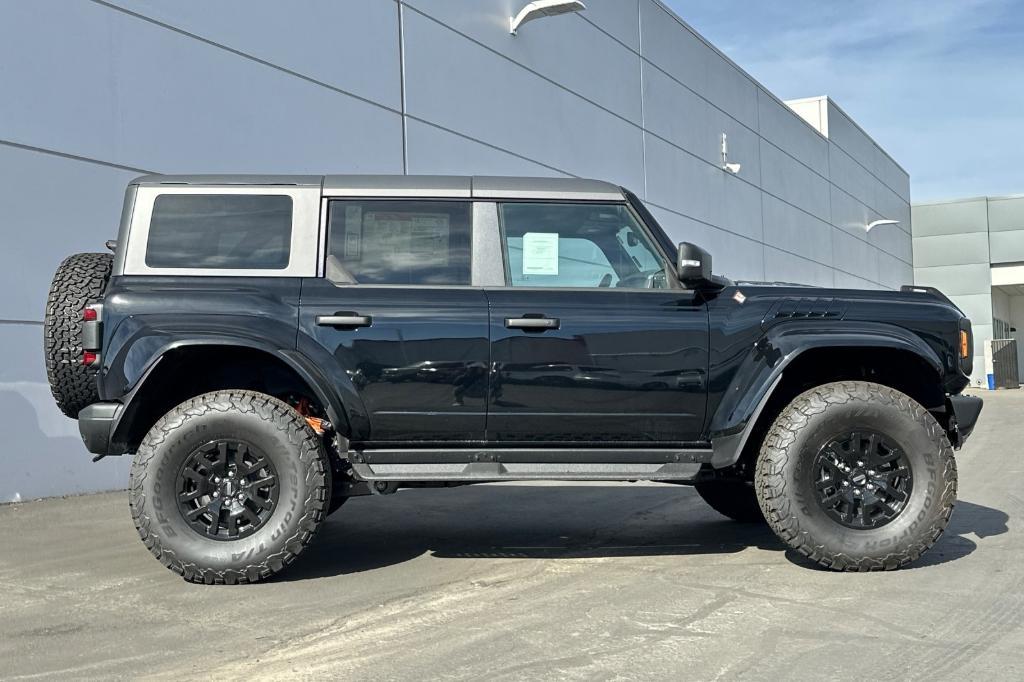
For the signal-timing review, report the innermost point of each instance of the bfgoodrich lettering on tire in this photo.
(857, 477)
(229, 487)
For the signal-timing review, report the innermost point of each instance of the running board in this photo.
(528, 465)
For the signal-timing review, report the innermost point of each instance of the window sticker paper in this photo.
(540, 253)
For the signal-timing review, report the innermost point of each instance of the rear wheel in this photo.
(79, 280)
(857, 477)
(734, 499)
(229, 487)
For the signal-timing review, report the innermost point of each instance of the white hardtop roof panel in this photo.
(228, 180)
(409, 186)
(427, 186)
(545, 188)
(465, 187)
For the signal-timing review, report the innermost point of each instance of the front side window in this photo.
(550, 245)
(220, 232)
(401, 242)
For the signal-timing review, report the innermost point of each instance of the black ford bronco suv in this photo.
(267, 347)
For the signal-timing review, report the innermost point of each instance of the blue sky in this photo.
(938, 83)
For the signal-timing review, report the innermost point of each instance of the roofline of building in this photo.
(965, 200)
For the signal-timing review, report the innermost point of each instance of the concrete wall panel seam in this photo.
(405, 107)
(526, 68)
(246, 55)
(643, 99)
(74, 157)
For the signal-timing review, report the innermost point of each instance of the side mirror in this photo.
(694, 267)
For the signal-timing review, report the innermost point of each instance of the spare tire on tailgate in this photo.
(79, 280)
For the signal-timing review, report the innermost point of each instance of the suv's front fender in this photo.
(761, 371)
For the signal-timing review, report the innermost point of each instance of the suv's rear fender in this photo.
(761, 372)
(144, 316)
(152, 319)
(116, 429)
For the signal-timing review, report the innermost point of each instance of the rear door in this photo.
(397, 320)
(591, 340)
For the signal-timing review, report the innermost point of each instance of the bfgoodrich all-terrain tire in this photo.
(857, 477)
(229, 487)
(79, 280)
(734, 499)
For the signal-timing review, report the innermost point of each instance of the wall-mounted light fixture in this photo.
(544, 8)
(733, 168)
(880, 223)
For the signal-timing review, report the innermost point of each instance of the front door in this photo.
(397, 318)
(591, 342)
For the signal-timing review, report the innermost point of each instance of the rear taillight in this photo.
(92, 333)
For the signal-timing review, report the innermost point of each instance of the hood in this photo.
(784, 290)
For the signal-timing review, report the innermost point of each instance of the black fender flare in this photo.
(338, 411)
(762, 371)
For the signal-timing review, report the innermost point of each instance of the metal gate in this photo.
(1001, 364)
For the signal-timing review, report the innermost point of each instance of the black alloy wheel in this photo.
(862, 479)
(227, 489)
(856, 476)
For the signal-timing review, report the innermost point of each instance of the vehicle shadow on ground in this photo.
(561, 522)
(968, 519)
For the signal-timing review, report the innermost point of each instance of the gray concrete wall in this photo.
(956, 243)
(95, 93)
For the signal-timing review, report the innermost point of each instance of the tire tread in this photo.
(308, 447)
(79, 280)
(776, 504)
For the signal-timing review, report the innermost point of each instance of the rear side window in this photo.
(220, 232)
(425, 243)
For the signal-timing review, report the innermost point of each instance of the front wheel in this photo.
(857, 477)
(229, 487)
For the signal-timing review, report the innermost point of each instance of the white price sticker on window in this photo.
(540, 253)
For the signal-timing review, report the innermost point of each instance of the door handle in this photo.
(533, 323)
(344, 320)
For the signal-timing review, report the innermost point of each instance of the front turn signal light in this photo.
(965, 344)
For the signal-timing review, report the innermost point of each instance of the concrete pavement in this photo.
(509, 582)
